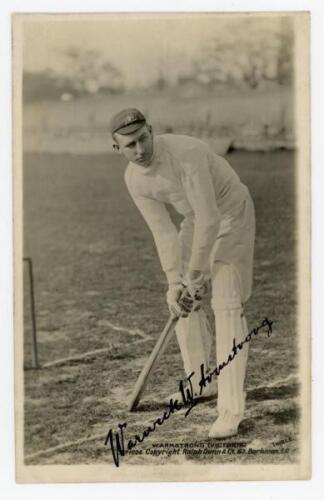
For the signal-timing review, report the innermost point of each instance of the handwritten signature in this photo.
(116, 440)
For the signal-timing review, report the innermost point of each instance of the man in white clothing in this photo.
(215, 244)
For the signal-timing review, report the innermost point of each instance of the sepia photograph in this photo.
(162, 246)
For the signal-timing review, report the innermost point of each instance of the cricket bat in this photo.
(155, 355)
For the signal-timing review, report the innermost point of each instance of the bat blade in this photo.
(151, 362)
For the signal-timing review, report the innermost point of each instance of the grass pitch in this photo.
(99, 287)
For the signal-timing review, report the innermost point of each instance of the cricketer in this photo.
(215, 244)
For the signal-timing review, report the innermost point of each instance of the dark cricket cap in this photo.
(127, 121)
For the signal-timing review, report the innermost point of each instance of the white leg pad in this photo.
(194, 338)
(230, 323)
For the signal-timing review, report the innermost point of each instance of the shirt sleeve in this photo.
(199, 188)
(186, 238)
(165, 235)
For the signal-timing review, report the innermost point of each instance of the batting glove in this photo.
(179, 301)
(197, 289)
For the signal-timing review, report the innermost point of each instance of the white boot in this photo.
(226, 424)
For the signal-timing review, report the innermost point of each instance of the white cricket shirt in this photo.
(203, 188)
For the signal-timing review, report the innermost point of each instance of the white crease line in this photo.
(74, 358)
(66, 445)
(102, 436)
(132, 331)
(87, 354)
(276, 383)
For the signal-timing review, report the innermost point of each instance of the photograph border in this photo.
(108, 473)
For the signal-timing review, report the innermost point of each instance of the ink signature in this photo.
(119, 445)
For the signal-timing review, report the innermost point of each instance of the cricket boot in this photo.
(226, 424)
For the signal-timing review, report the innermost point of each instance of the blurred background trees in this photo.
(82, 72)
(250, 54)
(246, 55)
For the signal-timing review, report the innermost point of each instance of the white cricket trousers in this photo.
(194, 338)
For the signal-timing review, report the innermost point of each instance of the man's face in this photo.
(137, 147)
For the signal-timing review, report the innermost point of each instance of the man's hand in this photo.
(179, 301)
(182, 298)
(196, 285)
